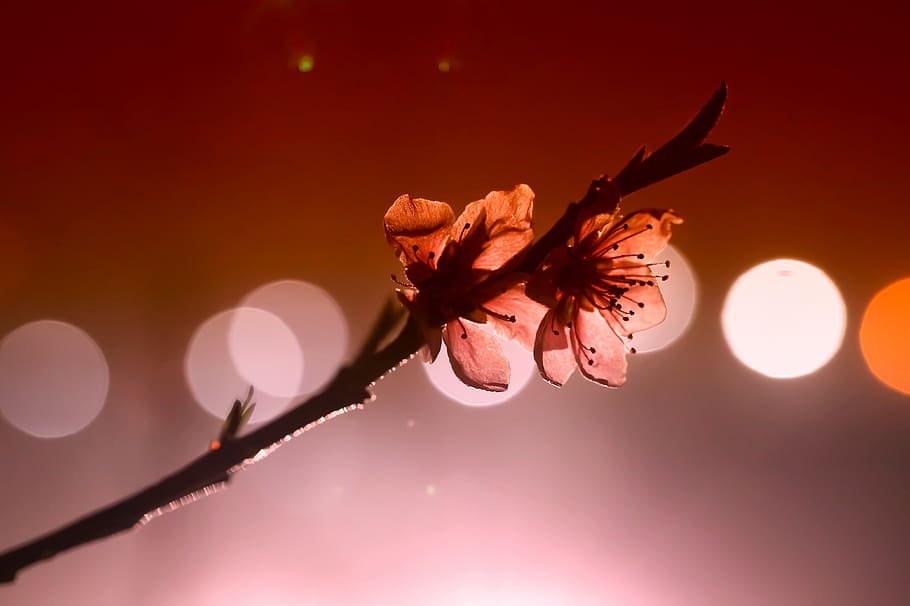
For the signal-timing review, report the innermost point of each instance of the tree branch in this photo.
(350, 387)
(681, 153)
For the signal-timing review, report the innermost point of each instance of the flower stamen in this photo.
(497, 315)
(614, 244)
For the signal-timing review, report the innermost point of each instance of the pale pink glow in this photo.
(54, 378)
(241, 347)
(784, 318)
(265, 351)
(315, 320)
(443, 379)
(680, 292)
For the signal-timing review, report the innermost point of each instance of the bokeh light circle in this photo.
(680, 292)
(884, 335)
(316, 321)
(241, 347)
(784, 318)
(54, 378)
(265, 351)
(444, 380)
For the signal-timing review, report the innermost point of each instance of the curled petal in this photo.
(510, 313)
(601, 355)
(554, 357)
(499, 226)
(643, 232)
(416, 222)
(476, 356)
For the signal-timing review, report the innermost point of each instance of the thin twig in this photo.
(350, 387)
(681, 153)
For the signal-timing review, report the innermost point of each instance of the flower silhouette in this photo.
(459, 278)
(600, 289)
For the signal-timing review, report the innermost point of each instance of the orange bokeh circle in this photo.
(884, 335)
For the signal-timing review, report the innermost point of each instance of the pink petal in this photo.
(501, 225)
(643, 232)
(433, 343)
(511, 302)
(601, 355)
(600, 212)
(476, 356)
(642, 307)
(554, 357)
(426, 224)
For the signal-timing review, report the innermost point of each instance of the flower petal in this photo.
(601, 210)
(499, 226)
(643, 232)
(416, 222)
(510, 313)
(643, 307)
(554, 357)
(601, 355)
(476, 356)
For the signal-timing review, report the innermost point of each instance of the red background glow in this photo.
(159, 160)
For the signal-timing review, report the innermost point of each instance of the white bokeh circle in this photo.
(54, 378)
(784, 318)
(240, 347)
(317, 322)
(680, 293)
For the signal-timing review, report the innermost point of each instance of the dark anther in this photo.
(432, 254)
(592, 350)
(616, 247)
(633, 350)
(641, 255)
(464, 335)
(415, 248)
(641, 305)
(512, 319)
(665, 278)
(569, 324)
(667, 263)
(555, 332)
(649, 226)
(590, 362)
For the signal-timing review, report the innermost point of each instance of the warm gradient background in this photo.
(158, 160)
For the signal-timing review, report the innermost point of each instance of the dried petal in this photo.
(416, 222)
(501, 224)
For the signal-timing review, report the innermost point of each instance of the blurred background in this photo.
(191, 199)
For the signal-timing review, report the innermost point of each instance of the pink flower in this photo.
(459, 278)
(601, 289)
